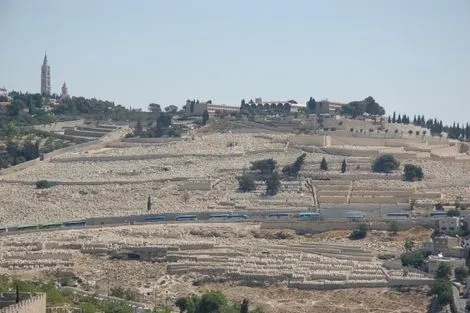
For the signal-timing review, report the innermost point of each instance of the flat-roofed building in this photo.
(196, 108)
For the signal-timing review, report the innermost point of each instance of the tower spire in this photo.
(45, 77)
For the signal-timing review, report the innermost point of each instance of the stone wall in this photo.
(19, 167)
(55, 126)
(198, 185)
(152, 140)
(35, 304)
(308, 140)
(318, 227)
(82, 133)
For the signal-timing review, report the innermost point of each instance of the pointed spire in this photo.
(45, 56)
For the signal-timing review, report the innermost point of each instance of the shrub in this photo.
(393, 227)
(246, 183)
(359, 233)
(385, 164)
(414, 258)
(412, 173)
(273, 183)
(453, 212)
(43, 184)
(461, 273)
(408, 245)
(439, 207)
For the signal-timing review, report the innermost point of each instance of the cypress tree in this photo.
(324, 165)
(244, 306)
(394, 118)
(399, 119)
(344, 166)
(149, 204)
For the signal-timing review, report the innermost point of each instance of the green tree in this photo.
(311, 105)
(205, 117)
(149, 204)
(385, 164)
(408, 245)
(172, 109)
(443, 290)
(444, 271)
(324, 165)
(265, 167)
(292, 170)
(11, 130)
(453, 212)
(154, 107)
(246, 183)
(461, 274)
(164, 120)
(414, 258)
(138, 128)
(273, 184)
(359, 233)
(344, 166)
(393, 227)
(211, 302)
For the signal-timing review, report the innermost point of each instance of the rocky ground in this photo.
(154, 284)
(220, 157)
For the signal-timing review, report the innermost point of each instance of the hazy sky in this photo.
(410, 55)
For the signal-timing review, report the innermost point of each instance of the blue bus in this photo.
(398, 215)
(438, 213)
(237, 217)
(355, 216)
(182, 218)
(75, 224)
(278, 215)
(158, 218)
(307, 216)
(218, 217)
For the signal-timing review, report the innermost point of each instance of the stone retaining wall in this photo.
(81, 133)
(318, 227)
(152, 140)
(35, 304)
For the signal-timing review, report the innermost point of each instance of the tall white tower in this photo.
(45, 78)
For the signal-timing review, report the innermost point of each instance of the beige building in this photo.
(449, 225)
(434, 261)
(28, 303)
(196, 108)
(447, 246)
(328, 107)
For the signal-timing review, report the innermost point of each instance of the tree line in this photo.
(265, 170)
(212, 302)
(436, 127)
(266, 108)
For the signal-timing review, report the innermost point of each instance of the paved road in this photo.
(328, 213)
